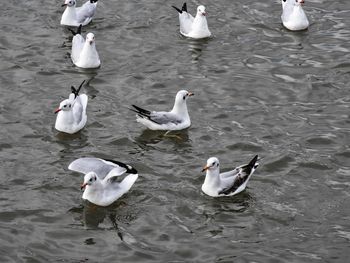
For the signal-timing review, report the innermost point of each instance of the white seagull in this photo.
(293, 16)
(74, 16)
(100, 181)
(228, 183)
(174, 120)
(84, 53)
(193, 27)
(71, 114)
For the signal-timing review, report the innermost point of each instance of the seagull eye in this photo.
(90, 180)
(65, 106)
(184, 97)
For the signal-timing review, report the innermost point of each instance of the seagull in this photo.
(84, 53)
(293, 16)
(174, 120)
(196, 27)
(71, 114)
(100, 181)
(74, 16)
(228, 183)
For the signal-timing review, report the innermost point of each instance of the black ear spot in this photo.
(286, 0)
(184, 97)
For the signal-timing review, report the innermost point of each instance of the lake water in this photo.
(259, 89)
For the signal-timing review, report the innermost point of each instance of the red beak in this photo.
(82, 187)
(205, 168)
(57, 110)
(64, 5)
(204, 13)
(302, 2)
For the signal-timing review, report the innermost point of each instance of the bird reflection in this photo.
(237, 204)
(94, 215)
(153, 137)
(195, 47)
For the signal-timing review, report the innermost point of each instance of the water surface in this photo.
(260, 89)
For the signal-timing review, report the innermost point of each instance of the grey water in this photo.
(259, 89)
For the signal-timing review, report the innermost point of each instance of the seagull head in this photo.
(293, 2)
(89, 179)
(69, 3)
(90, 38)
(212, 164)
(182, 96)
(201, 10)
(65, 105)
(180, 106)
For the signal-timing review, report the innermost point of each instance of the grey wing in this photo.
(79, 107)
(186, 21)
(77, 45)
(231, 173)
(86, 11)
(236, 183)
(78, 111)
(163, 117)
(101, 167)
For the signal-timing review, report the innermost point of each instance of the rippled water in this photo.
(260, 89)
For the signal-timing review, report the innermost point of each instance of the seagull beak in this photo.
(204, 13)
(57, 110)
(190, 94)
(302, 2)
(82, 187)
(64, 5)
(205, 168)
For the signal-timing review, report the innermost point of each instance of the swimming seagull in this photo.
(84, 53)
(71, 114)
(228, 183)
(74, 16)
(100, 181)
(293, 16)
(196, 27)
(174, 120)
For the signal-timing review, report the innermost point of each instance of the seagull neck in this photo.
(66, 116)
(93, 190)
(212, 178)
(70, 12)
(180, 108)
(200, 23)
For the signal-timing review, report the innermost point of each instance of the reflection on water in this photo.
(195, 47)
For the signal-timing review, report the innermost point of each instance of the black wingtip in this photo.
(129, 168)
(76, 91)
(251, 164)
(177, 9)
(93, 1)
(142, 111)
(184, 7)
(79, 29)
(72, 31)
